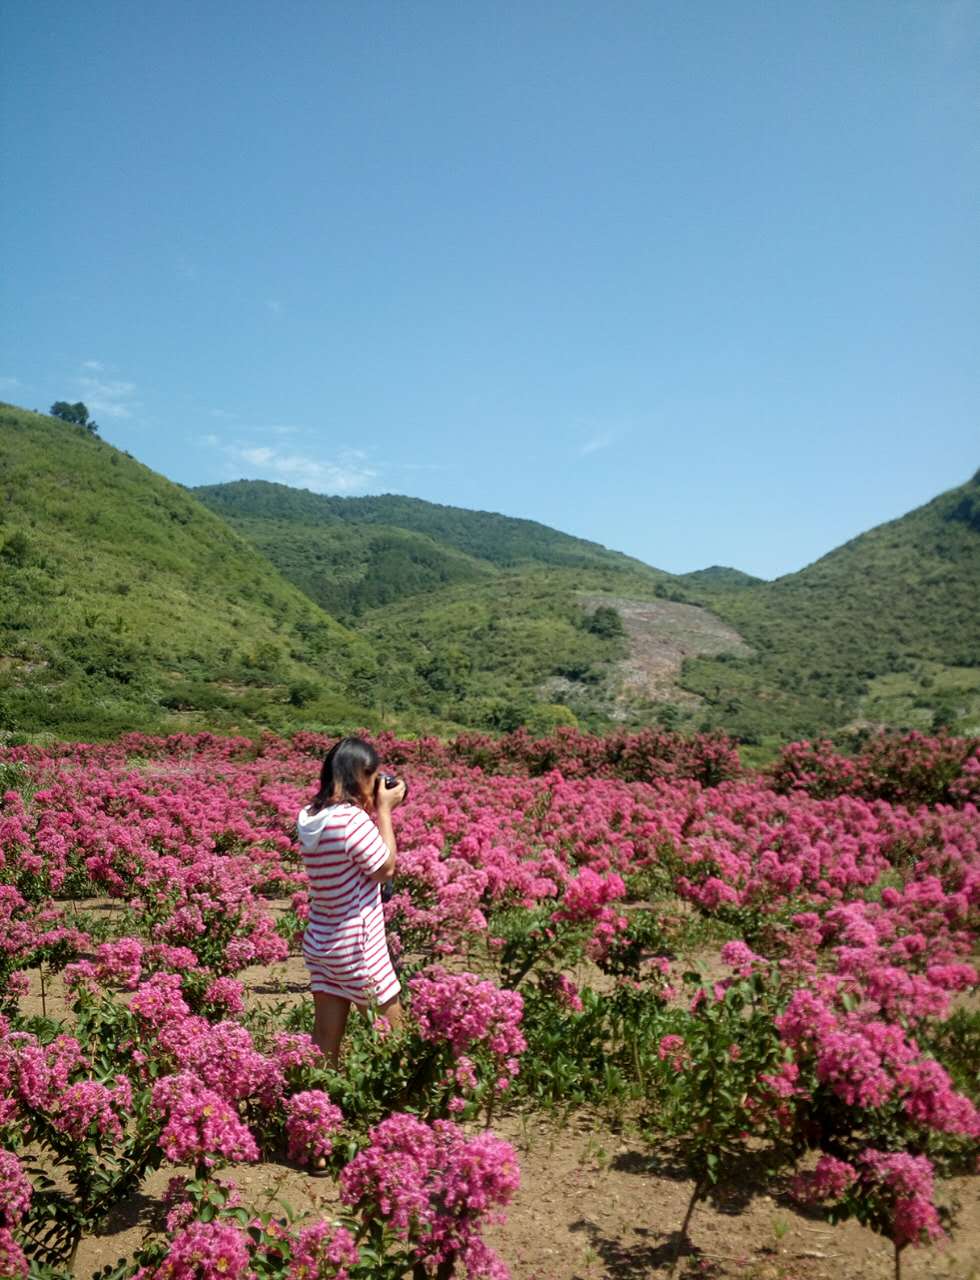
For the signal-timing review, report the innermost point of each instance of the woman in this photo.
(349, 850)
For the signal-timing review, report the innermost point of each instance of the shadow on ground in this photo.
(637, 1261)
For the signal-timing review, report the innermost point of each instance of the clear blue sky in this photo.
(697, 280)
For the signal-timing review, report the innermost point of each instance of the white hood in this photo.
(309, 826)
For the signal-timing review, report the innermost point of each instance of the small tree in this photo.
(606, 622)
(76, 413)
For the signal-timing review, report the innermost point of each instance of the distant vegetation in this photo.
(719, 577)
(76, 413)
(472, 618)
(130, 602)
(516, 650)
(502, 540)
(881, 631)
(126, 604)
(348, 568)
(884, 629)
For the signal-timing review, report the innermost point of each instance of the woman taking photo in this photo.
(349, 849)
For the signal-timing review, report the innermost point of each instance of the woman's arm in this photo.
(387, 799)
(386, 871)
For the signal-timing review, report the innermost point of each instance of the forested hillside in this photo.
(124, 603)
(884, 629)
(502, 540)
(880, 631)
(472, 617)
(348, 568)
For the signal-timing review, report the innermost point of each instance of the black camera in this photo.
(390, 781)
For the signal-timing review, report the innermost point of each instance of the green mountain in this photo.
(486, 621)
(125, 603)
(883, 630)
(340, 544)
(503, 540)
(476, 618)
(347, 568)
(719, 577)
(130, 602)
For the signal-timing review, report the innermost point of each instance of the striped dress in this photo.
(344, 945)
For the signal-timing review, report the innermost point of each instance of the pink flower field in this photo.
(768, 976)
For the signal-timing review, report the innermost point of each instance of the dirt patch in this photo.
(661, 634)
(594, 1203)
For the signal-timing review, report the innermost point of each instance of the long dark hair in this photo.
(347, 764)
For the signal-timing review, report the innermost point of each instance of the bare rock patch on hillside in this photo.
(661, 634)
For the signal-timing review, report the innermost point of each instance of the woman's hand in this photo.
(390, 797)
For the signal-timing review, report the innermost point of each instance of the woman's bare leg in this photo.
(329, 1023)
(392, 1010)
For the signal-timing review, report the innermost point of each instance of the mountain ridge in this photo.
(129, 601)
(480, 533)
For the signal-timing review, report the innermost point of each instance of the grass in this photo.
(126, 602)
(899, 600)
(119, 592)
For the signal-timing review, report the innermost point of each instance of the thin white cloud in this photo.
(221, 413)
(259, 456)
(274, 305)
(211, 440)
(426, 466)
(109, 399)
(96, 366)
(349, 472)
(602, 440)
(8, 384)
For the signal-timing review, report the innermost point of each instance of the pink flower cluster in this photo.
(199, 1125)
(907, 1181)
(900, 1186)
(435, 1187)
(39, 1080)
(468, 1012)
(908, 769)
(867, 1062)
(203, 1251)
(311, 1120)
(563, 989)
(673, 1049)
(15, 1190)
(322, 1252)
(586, 899)
(88, 1103)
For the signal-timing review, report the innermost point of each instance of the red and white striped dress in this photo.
(344, 944)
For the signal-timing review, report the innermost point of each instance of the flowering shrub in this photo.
(200, 1127)
(835, 897)
(910, 769)
(473, 1017)
(434, 1188)
(311, 1120)
(891, 1192)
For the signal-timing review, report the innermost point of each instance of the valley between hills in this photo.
(130, 602)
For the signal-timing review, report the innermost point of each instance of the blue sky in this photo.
(698, 281)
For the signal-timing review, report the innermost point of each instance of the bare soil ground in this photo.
(661, 634)
(594, 1204)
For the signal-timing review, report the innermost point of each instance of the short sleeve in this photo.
(365, 847)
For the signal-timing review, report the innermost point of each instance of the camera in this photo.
(389, 780)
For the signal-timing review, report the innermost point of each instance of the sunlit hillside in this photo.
(125, 603)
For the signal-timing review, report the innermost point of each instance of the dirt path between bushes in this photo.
(593, 1204)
